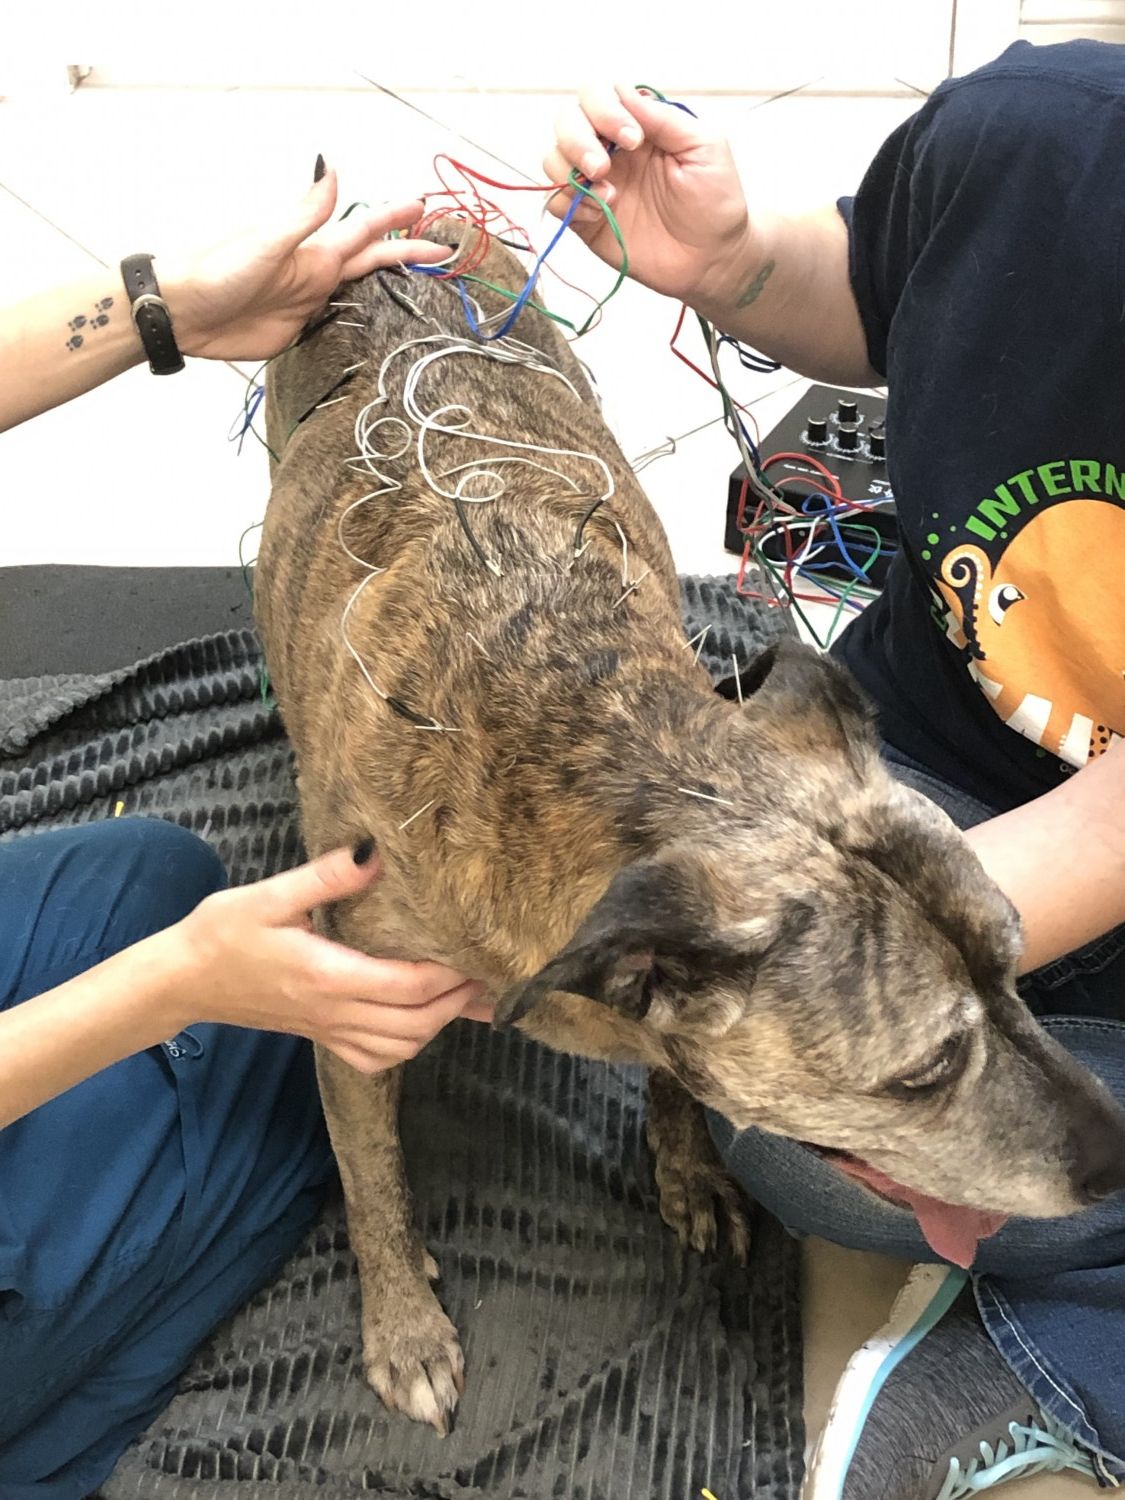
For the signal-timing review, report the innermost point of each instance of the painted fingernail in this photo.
(363, 851)
(592, 164)
(630, 137)
(320, 169)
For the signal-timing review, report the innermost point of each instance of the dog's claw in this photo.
(413, 1360)
(694, 1205)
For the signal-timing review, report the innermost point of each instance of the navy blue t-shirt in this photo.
(986, 245)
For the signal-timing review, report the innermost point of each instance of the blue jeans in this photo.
(1050, 1292)
(144, 1205)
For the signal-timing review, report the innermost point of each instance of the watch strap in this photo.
(150, 314)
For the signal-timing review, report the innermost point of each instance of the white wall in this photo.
(756, 47)
(742, 46)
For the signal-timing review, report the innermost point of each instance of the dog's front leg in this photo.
(695, 1189)
(411, 1353)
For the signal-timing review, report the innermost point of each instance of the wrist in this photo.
(740, 273)
(168, 985)
(178, 290)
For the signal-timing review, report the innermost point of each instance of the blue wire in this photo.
(802, 568)
(829, 511)
(748, 440)
(757, 363)
(529, 286)
(248, 415)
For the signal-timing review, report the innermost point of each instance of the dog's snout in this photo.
(1098, 1169)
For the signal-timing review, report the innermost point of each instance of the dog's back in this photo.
(484, 668)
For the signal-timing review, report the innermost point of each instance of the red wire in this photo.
(837, 493)
(702, 373)
(466, 202)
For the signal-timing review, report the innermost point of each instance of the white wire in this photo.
(510, 351)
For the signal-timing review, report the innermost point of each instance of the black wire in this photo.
(396, 705)
(462, 516)
(598, 503)
(344, 380)
(314, 328)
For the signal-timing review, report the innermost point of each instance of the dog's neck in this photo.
(619, 794)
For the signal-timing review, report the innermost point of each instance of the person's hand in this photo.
(253, 960)
(250, 297)
(672, 185)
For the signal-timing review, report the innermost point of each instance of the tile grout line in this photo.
(441, 124)
(39, 214)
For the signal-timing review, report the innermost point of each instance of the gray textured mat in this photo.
(54, 617)
(602, 1363)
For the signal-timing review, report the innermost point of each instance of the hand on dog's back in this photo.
(251, 958)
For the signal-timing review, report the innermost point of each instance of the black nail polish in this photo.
(320, 169)
(363, 851)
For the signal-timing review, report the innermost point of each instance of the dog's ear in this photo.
(611, 957)
(746, 680)
(820, 698)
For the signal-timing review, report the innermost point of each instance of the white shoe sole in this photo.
(929, 1293)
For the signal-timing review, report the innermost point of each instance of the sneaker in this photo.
(928, 1410)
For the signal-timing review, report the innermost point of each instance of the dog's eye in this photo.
(649, 986)
(940, 1069)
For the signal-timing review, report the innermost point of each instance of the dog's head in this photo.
(839, 969)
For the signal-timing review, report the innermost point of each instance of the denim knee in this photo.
(75, 896)
(171, 869)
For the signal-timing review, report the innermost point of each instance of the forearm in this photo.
(1060, 859)
(55, 1040)
(787, 293)
(63, 342)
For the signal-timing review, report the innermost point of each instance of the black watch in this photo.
(151, 317)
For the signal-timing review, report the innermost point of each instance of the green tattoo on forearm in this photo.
(757, 286)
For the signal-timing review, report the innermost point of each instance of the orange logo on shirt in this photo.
(1045, 627)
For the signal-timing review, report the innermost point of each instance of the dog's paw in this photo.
(700, 1202)
(698, 1198)
(412, 1358)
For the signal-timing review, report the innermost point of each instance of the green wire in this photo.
(511, 296)
(622, 273)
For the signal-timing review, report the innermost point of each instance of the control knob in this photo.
(847, 436)
(847, 411)
(877, 441)
(817, 432)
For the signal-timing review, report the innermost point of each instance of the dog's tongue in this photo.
(954, 1233)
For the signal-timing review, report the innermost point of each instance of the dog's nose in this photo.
(1099, 1159)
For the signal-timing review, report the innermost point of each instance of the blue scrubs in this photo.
(144, 1205)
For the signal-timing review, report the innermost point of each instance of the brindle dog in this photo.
(638, 868)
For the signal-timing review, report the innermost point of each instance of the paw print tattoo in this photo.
(98, 318)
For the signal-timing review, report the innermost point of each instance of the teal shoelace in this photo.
(1043, 1449)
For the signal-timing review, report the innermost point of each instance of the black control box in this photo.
(845, 431)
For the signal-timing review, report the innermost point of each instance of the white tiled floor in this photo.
(142, 472)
